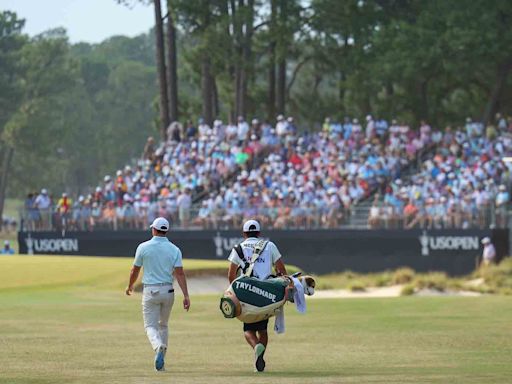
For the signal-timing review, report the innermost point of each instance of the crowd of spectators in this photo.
(464, 184)
(313, 180)
(164, 182)
(219, 176)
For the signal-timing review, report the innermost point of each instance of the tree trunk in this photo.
(6, 165)
(281, 86)
(160, 61)
(246, 56)
(206, 89)
(238, 38)
(215, 98)
(229, 9)
(271, 94)
(172, 65)
(497, 89)
(281, 66)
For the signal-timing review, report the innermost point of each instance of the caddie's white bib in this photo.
(263, 267)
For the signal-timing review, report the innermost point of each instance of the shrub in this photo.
(384, 279)
(403, 276)
(407, 290)
(356, 286)
(497, 278)
(433, 280)
(323, 285)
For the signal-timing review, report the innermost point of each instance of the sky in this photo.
(89, 21)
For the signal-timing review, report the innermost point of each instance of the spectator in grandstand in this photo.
(7, 250)
(109, 217)
(203, 129)
(374, 217)
(64, 206)
(174, 132)
(43, 203)
(190, 131)
(149, 149)
(502, 201)
(184, 204)
(370, 127)
(32, 216)
(242, 130)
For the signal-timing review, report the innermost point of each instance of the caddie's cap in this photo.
(160, 224)
(251, 226)
(486, 240)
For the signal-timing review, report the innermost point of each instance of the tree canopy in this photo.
(71, 113)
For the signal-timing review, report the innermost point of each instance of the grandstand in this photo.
(379, 176)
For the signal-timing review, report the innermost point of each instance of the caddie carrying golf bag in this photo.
(252, 300)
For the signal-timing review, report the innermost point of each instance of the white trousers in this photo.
(157, 303)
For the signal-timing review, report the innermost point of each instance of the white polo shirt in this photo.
(158, 257)
(489, 252)
(265, 262)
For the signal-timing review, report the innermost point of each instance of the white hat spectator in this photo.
(502, 187)
(486, 240)
(107, 178)
(280, 117)
(251, 226)
(160, 224)
(44, 191)
(119, 172)
(255, 121)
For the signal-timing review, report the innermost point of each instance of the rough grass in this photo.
(497, 279)
(91, 335)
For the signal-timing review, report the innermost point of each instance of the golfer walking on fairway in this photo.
(240, 257)
(161, 261)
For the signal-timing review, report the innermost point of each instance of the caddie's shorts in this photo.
(259, 326)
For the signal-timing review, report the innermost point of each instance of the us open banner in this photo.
(316, 251)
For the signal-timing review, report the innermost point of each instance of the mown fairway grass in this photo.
(89, 332)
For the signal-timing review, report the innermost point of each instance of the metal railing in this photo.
(282, 217)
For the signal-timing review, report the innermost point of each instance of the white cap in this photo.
(160, 224)
(7, 242)
(486, 240)
(44, 191)
(251, 226)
